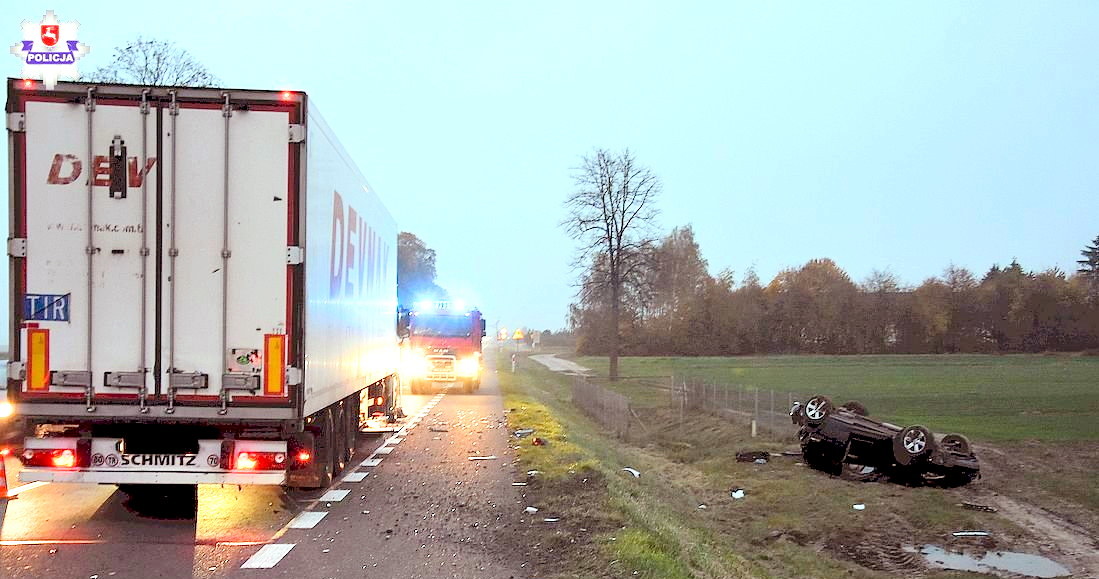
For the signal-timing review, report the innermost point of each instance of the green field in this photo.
(1014, 397)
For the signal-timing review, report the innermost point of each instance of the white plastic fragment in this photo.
(859, 506)
(550, 520)
(490, 457)
(737, 493)
(970, 533)
(636, 473)
(702, 507)
(531, 510)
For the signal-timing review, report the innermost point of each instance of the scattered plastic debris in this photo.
(518, 484)
(489, 457)
(859, 506)
(636, 473)
(550, 520)
(701, 507)
(737, 493)
(538, 441)
(977, 507)
(533, 472)
(524, 432)
(971, 533)
(531, 510)
(753, 456)
(433, 429)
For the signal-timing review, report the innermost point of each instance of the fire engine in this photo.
(443, 347)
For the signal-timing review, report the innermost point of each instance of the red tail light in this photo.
(53, 458)
(260, 461)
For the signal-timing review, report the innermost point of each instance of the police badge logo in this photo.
(49, 49)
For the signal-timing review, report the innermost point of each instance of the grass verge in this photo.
(679, 520)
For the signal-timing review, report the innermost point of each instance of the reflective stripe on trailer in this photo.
(150, 477)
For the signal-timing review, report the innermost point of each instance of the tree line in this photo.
(675, 307)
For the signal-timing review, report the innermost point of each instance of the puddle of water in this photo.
(1022, 563)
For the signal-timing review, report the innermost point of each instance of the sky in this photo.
(891, 136)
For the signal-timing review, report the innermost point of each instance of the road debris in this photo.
(533, 472)
(433, 429)
(636, 473)
(518, 484)
(522, 432)
(531, 510)
(538, 441)
(756, 456)
(550, 520)
(737, 493)
(971, 533)
(489, 457)
(859, 506)
(977, 507)
(702, 507)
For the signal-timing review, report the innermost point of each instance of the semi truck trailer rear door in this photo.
(154, 245)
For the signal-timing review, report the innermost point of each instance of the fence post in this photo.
(771, 418)
(755, 414)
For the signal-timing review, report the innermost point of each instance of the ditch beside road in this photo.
(793, 521)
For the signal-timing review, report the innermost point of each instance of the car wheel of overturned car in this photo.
(817, 408)
(955, 443)
(911, 444)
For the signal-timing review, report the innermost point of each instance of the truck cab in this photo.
(443, 348)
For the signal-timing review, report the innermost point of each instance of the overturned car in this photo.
(843, 440)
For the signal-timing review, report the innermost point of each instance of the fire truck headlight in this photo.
(415, 366)
(6, 409)
(468, 367)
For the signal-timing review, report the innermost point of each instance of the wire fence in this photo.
(762, 412)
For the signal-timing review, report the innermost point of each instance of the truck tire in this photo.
(350, 427)
(326, 449)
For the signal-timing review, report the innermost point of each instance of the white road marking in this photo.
(356, 477)
(307, 519)
(19, 489)
(268, 556)
(383, 450)
(371, 462)
(394, 440)
(334, 496)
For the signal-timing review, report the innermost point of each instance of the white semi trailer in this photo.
(203, 287)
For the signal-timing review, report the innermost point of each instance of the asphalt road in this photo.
(413, 505)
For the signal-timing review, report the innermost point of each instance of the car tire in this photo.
(817, 409)
(955, 443)
(911, 444)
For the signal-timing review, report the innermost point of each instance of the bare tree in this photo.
(611, 214)
(153, 63)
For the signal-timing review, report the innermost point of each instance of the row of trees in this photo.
(654, 296)
(679, 309)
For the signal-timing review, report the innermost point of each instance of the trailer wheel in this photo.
(817, 409)
(912, 443)
(351, 427)
(326, 449)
